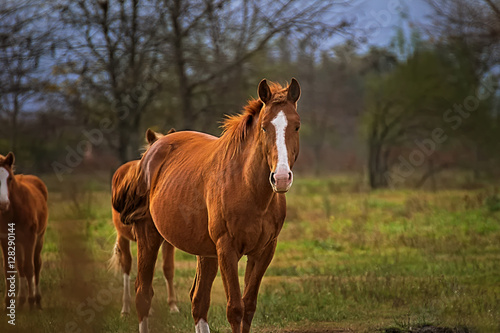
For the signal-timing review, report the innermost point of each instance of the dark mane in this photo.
(236, 127)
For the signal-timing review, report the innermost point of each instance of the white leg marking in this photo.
(143, 325)
(126, 294)
(280, 124)
(4, 189)
(23, 287)
(32, 286)
(202, 327)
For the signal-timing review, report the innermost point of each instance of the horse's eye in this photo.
(297, 128)
(263, 129)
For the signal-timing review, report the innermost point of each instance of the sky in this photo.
(382, 17)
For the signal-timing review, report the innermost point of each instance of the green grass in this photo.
(346, 258)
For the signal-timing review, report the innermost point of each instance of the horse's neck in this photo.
(14, 192)
(255, 173)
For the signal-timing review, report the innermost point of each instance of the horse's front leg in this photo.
(256, 267)
(206, 271)
(228, 262)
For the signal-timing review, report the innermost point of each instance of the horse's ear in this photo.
(293, 91)
(9, 159)
(151, 136)
(264, 91)
(172, 130)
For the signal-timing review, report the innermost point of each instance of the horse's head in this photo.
(6, 174)
(279, 125)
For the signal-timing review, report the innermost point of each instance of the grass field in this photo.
(347, 260)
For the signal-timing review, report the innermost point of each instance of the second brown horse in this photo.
(122, 257)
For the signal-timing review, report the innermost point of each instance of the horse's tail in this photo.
(130, 191)
(130, 194)
(114, 262)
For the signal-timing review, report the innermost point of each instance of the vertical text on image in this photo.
(10, 272)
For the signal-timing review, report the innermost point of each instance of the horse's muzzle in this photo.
(281, 181)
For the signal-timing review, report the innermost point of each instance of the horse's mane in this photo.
(236, 127)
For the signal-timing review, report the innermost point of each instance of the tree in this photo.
(25, 39)
(213, 40)
(406, 105)
(472, 29)
(475, 24)
(127, 55)
(113, 50)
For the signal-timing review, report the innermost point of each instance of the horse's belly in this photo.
(184, 227)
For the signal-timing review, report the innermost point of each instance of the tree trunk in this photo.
(123, 142)
(15, 114)
(377, 166)
(180, 67)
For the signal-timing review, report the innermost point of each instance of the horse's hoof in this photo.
(174, 309)
(125, 314)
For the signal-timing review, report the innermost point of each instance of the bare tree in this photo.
(213, 39)
(113, 49)
(475, 23)
(25, 38)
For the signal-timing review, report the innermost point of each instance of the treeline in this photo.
(82, 80)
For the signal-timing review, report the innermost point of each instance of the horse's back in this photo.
(184, 151)
(35, 184)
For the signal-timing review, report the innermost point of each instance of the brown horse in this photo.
(217, 198)
(23, 206)
(122, 258)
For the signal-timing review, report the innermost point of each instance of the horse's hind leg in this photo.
(123, 248)
(148, 244)
(168, 252)
(38, 266)
(206, 270)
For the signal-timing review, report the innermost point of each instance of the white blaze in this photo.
(280, 124)
(4, 190)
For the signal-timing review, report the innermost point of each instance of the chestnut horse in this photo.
(122, 258)
(23, 205)
(217, 198)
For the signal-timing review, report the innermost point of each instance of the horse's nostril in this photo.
(289, 176)
(273, 180)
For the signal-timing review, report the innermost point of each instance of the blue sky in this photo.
(381, 18)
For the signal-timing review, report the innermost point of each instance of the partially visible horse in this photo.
(23, 207)
(122, 258)
(217, 198)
